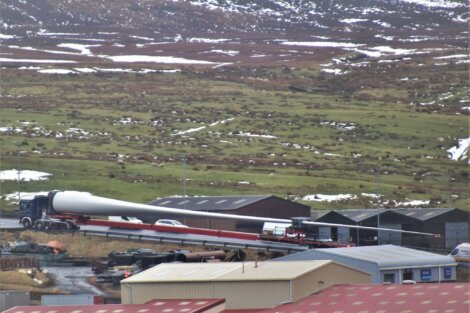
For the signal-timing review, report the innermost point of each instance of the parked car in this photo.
(173, 223)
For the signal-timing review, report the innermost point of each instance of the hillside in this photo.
(312, 101)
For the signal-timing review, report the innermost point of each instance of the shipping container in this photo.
(11, 298)
(83, 299)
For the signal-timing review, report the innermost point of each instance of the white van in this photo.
(127, 219)
(276, 229)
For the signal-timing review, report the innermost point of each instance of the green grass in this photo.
(407, 143)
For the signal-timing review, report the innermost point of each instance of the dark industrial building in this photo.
(452, 225)
(263, 206)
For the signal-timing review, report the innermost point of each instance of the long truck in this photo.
(67, 210)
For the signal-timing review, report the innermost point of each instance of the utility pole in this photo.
(377, 178)
(18, 171)
(183, 160)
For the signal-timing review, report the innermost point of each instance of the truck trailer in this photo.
(67, 210)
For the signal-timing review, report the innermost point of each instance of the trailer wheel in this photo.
(26, 223)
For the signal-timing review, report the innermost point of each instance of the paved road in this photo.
(73, 279)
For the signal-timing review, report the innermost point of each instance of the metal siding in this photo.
(388, 237)
(272, 207)
(139, 293)
(361, 265)
(324, 232)
(252, 295)
(455, 233)
(12, 298)
(344, 234)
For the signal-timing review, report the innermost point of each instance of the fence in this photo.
(9, 263)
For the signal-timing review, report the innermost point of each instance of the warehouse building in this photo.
(453, 226)
(264, 206)
(387, 263)
(422, 298)
(247, 285)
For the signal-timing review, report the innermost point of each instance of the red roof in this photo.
(154, 306)
(419, 298)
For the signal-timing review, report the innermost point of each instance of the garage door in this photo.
(324, 232)
(343, 234)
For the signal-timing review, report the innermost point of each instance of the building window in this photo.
(426, 275)
(389, 278)
(408, 274)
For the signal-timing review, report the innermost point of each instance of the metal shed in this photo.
(453, 225)
(253, 205)
(243, 285)
(387, 263)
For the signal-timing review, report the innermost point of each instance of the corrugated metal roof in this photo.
(173, 306)
(422, 298)
(216, 203)
(385, 256)
(358, 215)
(240, 271)
(422, 214)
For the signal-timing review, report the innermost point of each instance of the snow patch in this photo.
(436, 3)
(9, 60)
(25, 175)
(56, 71)
(207, 40)
(459, 152)
(329, 198)
(155, 59)
(331, 44)
(84, 49)
(192, 130)
(23, 195)
(242, 134)
(4, 36)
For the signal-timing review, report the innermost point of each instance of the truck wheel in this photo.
(27, 223)
(39, 225)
